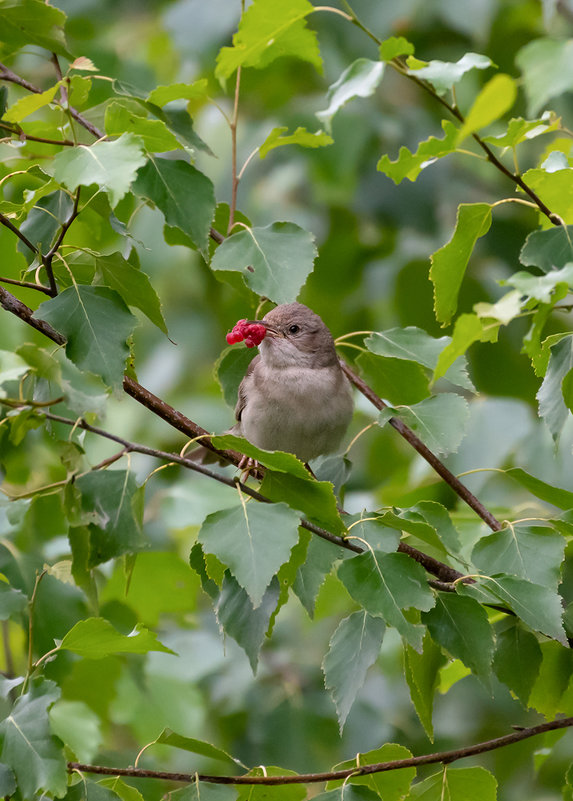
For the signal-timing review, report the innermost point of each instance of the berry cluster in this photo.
(252, 333)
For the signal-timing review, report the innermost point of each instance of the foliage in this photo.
(166, 170)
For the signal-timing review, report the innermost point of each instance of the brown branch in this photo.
(7, 75)
(440, 757)
(16, 307)
(49, 256)
(17, 131)
(460, 489)
(11, 227)
(26, 285)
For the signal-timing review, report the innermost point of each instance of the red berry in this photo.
(252, 333)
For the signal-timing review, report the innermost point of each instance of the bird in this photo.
(294, 396)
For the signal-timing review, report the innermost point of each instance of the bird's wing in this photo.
(242, 397)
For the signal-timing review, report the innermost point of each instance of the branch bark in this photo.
(440, 757)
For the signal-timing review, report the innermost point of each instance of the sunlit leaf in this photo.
(410, 165)
(162, 95)
(469, 328)
(155, 135)
(496, 97)
(301, 136)
(32, 22)
(96, 638)
(457, 784)
(443, 75)
(395, 46)
(28, 104)
(360, 79)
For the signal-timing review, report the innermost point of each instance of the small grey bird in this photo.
(294, 396)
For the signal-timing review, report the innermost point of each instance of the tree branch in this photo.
(26, 285)
(48, 258)
(11, 227)
(460, 489)
(440, 757)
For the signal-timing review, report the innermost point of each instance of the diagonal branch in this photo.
(440, 757)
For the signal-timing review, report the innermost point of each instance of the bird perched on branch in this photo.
(294, 396)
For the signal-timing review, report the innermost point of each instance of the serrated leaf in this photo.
(443, 75)
(391, 785)
(162, 95)
(253, 540)
(558, 496)
(360, 79)
(96, 638)
(267, 30)
(457, 784)
(132, 284)
(29, 748)
(348, 792)
(422, 673)
(547, 68)
(28, 104)
(517, 659)
(203, 791)
(461, 627)
(169, 737)
(395, 46)
(243, 622)
(155, 135)
(450, 261)
(182, 194)
(414, 344)
(275, 261)
(111, 507)
(96, 323)
(541, 287)
(32, 22)
(320, 558)
(552, 406)
(315, 499)
(301, 136)
(410, 165)
(496, 97)
(520, 130)
(112, 166)
(532, 552)
(439, 421)
(354, 647)
(281, 792)
(384, 585)
(539, 607)
(548, 249)
(469, 328)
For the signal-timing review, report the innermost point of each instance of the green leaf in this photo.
(96, 638)
(315, 499)
(559, 497)
(520, 130)
(456, 784)
(111, 506)
(542, 287)
(460, 625)
(230, 369)
(29, 104)
(391, 785)
(450, 261)
(547, 69)
(168, 737)
(284, 792)
(78, 727)
(360, 79)
(539, 607)
(7, 781)
(320, 558)
(300, 137)
(553, 680)
(506, 309)
(517, 659)
(496, 97)
(12, 601)
(439, 421)
(122, 790)
(532, 552)
(469, 328)
(393, 379)
(155, 135)
(395, 46)
(348, 792)
(443, 75)
(275, 261)
(203, 791)
(132, 284)
(410, 165)
(354, 647)
(384, 585)
(112, 166)
(29, 748)
(182, 194)
(267, 30)
(243, 622)
(275, 460)
(422, 673)
(380, 531)
(161, 95)
(32, 22)
(413, 344)
(549, 249)
(555, 189)
(437, 517)
(552, 406)
(253, 540)
(96, 323)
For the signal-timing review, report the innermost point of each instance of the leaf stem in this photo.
(31, 607)
(235, 178)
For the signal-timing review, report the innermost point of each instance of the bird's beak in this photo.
(269, 326)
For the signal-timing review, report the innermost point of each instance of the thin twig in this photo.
(27, 285)
(49, 256)
(440, 757)
(16, 131)
(10, 225)
(234, 178)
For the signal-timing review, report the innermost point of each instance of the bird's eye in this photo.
(294, 329)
